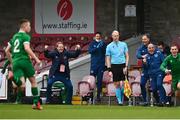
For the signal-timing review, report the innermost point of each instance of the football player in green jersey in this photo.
(19, 52)
(173, 62)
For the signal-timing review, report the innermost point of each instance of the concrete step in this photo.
(76, 102)
(105, 100)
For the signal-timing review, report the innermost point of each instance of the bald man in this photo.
(153, 62)
(117, 59)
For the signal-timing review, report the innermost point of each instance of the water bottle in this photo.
(151, 100)
(129, 102)
(89, 101)
(63, 95)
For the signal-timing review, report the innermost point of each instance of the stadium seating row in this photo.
(87, 86)
(37, 45)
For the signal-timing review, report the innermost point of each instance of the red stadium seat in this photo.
(107, 39)
(86, 88)
(51, 47)
(134, 75)
(134, 80)
(39, 48)
(35, 40)
(2, 55)
(136, 91)
(5, 42)
(1, 63)
(110, 91)
(73, 47)
(83, 88)
(106, 77)
(41, 56)
(91, 80)
(1, 49)
(85, 48)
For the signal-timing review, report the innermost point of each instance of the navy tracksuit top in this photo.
(142, 50)
(60, 58)
(154, 62)
(97, 51)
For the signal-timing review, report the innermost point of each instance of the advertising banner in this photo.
(64, 17)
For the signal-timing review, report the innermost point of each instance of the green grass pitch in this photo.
(8, 111)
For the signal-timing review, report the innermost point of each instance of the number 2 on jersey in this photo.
(16, 46)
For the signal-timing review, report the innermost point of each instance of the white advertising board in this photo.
(64, 17)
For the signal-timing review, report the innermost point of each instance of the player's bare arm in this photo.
(31, 53)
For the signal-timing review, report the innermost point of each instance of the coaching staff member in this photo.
(59, 70)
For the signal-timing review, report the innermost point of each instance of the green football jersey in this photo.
(17, 46)
(173, 63)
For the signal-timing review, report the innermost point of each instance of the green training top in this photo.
(17, 46)
(174, 64)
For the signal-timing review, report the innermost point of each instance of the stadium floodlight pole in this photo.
(116, 15)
